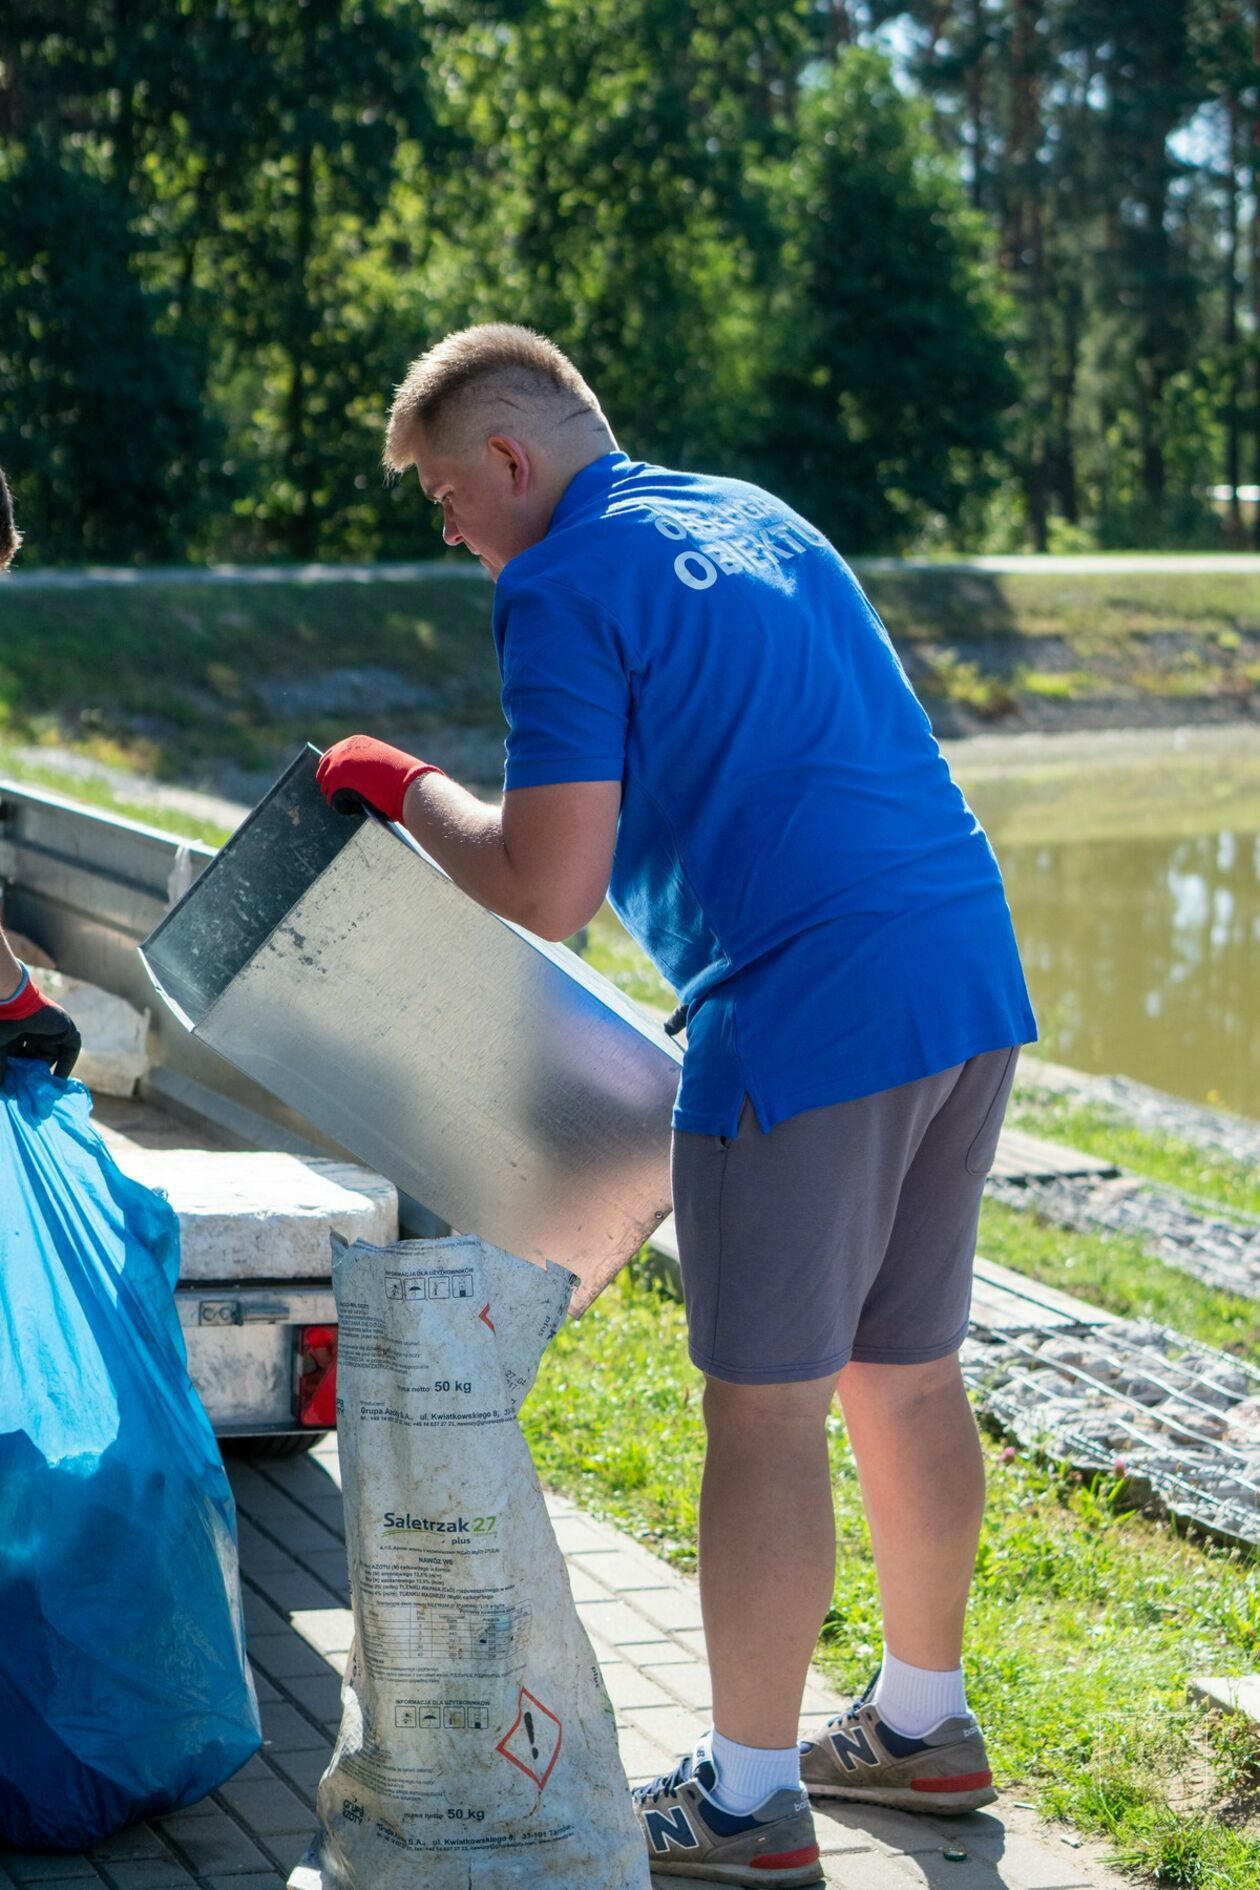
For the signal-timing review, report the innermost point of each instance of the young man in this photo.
(29, 1025)
(703, 706)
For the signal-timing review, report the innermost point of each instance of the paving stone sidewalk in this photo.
(644, 1622)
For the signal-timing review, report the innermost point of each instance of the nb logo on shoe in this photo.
(849, 1747)
(671, 1828)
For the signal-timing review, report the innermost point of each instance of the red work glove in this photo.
(362, 773)
(30, 1026)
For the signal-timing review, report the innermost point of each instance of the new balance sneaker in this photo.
(858, 1756)
(689, 1835)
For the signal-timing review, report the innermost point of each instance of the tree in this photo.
(102, 421)
(1149, 90)
(228, 224)
(618, 201)
(884, 411)
(1225, 37)
(295, 120)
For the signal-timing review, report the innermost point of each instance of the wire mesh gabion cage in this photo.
(1179, 1421)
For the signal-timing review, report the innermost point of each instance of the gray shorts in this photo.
(845, 1233)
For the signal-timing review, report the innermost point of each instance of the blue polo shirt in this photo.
(792, 853)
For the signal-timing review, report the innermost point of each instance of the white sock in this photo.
(912, 1700)
(747, 1775)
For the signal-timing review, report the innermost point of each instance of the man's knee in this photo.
(803, 1405)
(896, 1385)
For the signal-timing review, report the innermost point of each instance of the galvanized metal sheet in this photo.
(493, 1076)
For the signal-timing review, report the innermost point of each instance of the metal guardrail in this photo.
(88, 887)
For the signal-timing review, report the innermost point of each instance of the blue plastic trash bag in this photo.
(124, 1689)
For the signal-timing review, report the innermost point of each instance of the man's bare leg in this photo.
(767, 1531)
(767, 1551)
(921, 1471)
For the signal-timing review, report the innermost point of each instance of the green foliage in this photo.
(1114, 1271)
(619, 150)
(1114, 233)
(1204, 1174)
(105, 433)
(883, 409)
(1011, 308)
(330, 98)
(198, 672)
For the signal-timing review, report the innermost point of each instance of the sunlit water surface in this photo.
(1134, 878)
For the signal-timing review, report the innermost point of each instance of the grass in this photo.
(1095, 611)
(1085, 1622)
(98, 794)
(1115, 1272)
(609, 949)
(988, 642)
(1210, 1177)
(161, 678)
(175, 675)
(1067, 685)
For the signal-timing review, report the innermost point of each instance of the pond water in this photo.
(1132, 864)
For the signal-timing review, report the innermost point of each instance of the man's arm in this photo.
(542, 859)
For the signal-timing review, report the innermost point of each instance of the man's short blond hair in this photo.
(490, 373)
(10, 536)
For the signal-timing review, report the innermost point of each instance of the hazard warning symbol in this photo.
(533, 1743)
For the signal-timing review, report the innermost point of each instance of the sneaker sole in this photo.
(738, 1873)
(902, 1798)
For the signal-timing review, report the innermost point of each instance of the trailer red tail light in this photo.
(317, 1378)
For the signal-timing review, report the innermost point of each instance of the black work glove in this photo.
(32, 1026)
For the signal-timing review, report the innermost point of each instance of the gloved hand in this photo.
(361, 773)
(31, 1026)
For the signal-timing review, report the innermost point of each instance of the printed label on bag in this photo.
(406, 1640)
(533, 1743)
(419, 1286)
(442, 1715)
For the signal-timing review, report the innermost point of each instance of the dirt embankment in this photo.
(214, 680)
(1007, 652)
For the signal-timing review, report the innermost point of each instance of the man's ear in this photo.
(513, 456)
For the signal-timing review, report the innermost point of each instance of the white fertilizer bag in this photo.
(477, 1748)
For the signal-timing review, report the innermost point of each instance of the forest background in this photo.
(956, 274)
